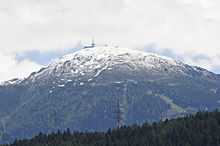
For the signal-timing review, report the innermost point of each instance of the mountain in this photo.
(92, 89)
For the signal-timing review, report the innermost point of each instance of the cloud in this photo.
(211, 64)
(44, 57)
(11, 68)
(185, 26)
(205, 60)
(182, 24)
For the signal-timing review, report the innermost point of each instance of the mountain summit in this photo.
(92, 62)
(95, 88)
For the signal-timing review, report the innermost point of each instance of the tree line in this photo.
(201, 129)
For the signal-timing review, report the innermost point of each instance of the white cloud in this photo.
(209, 61)
(211, 64)
(10, 68)
(187, 26)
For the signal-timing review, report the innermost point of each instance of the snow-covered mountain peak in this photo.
(93, 61)
(110, 52)
(89, 63)
(112, 55)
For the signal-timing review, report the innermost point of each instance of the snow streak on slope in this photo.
(11, 82)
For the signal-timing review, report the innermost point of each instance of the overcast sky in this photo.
(32, 32)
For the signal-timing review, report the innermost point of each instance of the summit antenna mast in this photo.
(93, 43)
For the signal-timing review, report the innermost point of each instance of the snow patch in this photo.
(81, 83)
(214, 90)
(11, 82)
(89, 80)
(61, 85)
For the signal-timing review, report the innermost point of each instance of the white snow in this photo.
(11, 82)
(102, 54)
(61, 85)
(100, 71)
(118, 82)
(81, 83)
(94, 61)
(89, 80)
(2, 83)
(214, 90)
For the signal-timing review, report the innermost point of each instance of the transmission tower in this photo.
(121, 107)
(119, 114)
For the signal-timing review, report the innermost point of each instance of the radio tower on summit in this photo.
(93, 45)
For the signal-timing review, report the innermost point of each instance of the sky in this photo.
(34, 32)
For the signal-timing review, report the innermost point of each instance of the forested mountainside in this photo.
(84, 90)
(202, 129)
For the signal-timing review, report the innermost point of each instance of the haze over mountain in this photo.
(84, 91)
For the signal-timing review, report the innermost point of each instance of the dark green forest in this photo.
(201, 129)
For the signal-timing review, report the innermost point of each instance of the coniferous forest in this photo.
(201, 129)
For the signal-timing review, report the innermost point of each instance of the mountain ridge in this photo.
(104, 53)
(81, 91)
